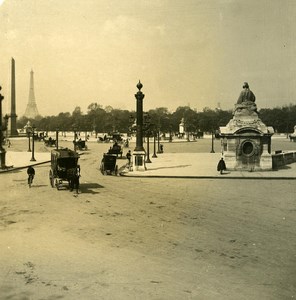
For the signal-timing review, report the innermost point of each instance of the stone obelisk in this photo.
(13, 131)
(31, 110)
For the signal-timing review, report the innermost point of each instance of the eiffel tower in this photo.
(31, 110)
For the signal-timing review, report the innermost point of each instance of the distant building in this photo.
(31, 110)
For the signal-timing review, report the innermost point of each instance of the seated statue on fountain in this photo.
(246, 102)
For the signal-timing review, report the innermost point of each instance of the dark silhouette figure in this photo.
(31, 174)
(74, 180)
(221, 166)
(129, 156)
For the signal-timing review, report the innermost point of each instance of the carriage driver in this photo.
(74, 179)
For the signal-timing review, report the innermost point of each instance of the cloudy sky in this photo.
(185, 52)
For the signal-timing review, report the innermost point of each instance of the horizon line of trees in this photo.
(99, 119)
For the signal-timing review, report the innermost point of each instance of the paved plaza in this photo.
(196, 235)
(190, 165)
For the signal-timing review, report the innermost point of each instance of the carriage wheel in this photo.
(102, 169)
(57, 184)
(51, 178)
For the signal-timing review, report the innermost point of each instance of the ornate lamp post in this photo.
(148, 149)
(33, 144)
(28, 128)
(170, 136)
(158, 135)
(139, 151)
(147, 120)
(2, 150)
(75, 133)
(212, 151)
(187, 132)
(57, 138)
(154, 142)
(158, 141)
(6, 117)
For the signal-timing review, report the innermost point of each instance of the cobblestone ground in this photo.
(137, 238)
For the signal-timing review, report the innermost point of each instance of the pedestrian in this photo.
(8, 143)
(74, 179)
(128, 156)
(31, 174)
(221, 165)
(161, 148)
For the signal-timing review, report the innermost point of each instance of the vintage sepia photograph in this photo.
(147, 149)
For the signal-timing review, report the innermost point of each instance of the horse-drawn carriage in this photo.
(64, 165)
(80, 145)
(49, 142)
(108, 165)
(116, 150)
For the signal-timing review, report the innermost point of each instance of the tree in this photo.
(77, 118)
(161, 118)
(96, 117)
(208, 120)
(190, 117)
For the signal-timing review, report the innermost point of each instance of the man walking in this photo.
(221, 166)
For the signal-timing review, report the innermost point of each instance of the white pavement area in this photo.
(23, 159)
(199, 165)
(202, 165)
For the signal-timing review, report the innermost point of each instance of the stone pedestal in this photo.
(139, 161)
(2, 158)
(246, 140)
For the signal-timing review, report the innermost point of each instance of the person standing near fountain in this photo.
(221, 166)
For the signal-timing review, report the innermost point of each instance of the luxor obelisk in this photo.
(13, 130)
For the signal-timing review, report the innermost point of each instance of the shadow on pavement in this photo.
(39, 185)
(87, 188)
(172, 167)
(10, 171)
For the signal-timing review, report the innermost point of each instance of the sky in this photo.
(185, 52)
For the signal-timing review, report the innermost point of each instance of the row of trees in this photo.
(107, 119)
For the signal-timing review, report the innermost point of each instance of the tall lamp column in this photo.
(154, 143)
(148, 147)
(212, 151)
(33, 144)
(28, 131)
(147, 123)
(75, 133)
(158, 141)
(57, 138)
(139, 151)
(6, 117)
